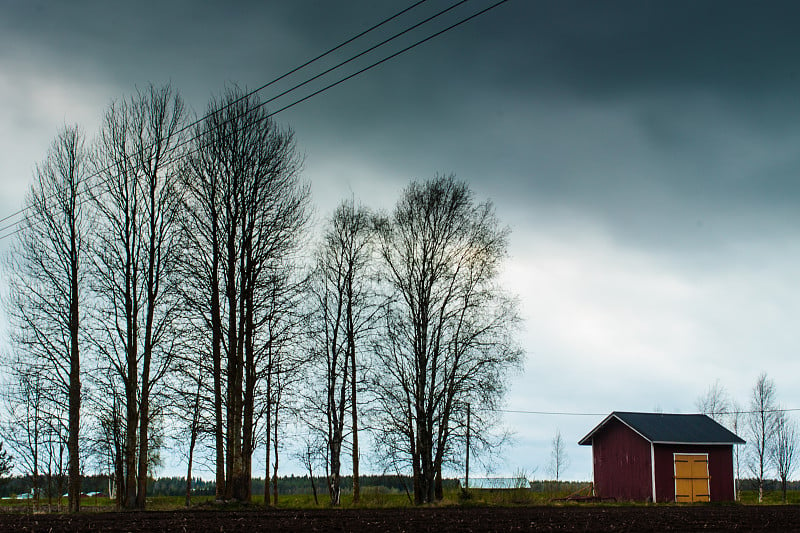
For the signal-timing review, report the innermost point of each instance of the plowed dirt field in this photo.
(439, 520)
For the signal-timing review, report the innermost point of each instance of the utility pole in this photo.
(466, 479)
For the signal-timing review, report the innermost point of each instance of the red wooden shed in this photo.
(662, 458)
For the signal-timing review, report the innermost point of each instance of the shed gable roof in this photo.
(660, 428)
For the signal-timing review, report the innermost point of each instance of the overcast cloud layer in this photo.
(644, 155)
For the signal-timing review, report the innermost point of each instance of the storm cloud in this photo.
(644, 155)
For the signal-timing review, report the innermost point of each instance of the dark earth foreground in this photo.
(567, 518)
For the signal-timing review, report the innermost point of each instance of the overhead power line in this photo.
(327, 71)
(392, 56)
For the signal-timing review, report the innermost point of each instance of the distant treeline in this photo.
(176, 486)
(559, 486)
(769, 485)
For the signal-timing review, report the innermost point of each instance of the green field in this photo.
(371, 498)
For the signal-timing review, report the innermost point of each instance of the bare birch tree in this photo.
(715, 402)
(449, 329)
(278, 364)
(308, 455)
(559, 459)
(249, 209)
(47, 279)
(186, 391)
(109, 439)
(138, 200)
(736, 422)
(344, 312)
(784, 448)
(761, 423)
(201, 266)
(23, 425)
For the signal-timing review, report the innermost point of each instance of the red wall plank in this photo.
(621, 463)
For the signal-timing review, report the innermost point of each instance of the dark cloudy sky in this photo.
(644, 154)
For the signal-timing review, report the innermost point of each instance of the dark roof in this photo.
(660, 428)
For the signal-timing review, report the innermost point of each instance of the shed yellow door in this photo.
(691, 478)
